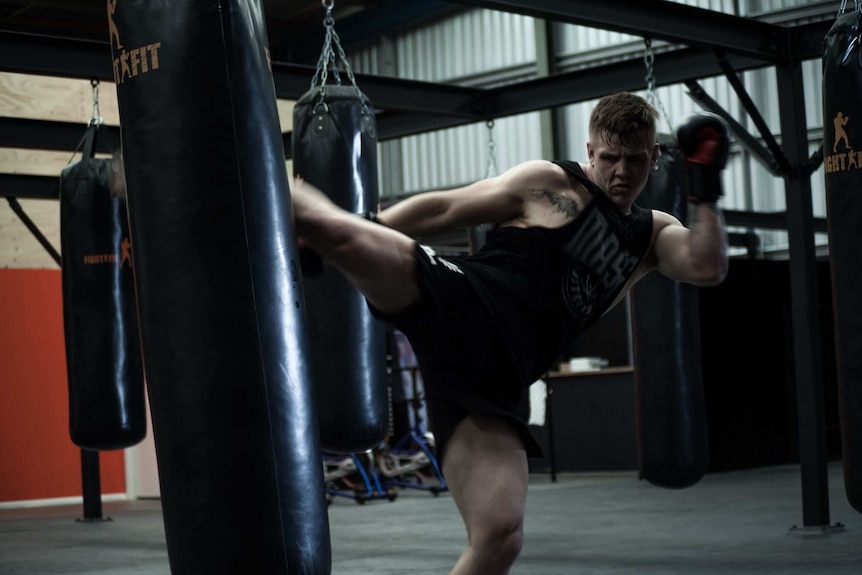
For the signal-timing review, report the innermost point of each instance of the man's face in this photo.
(622, 171)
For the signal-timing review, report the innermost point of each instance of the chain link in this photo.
(649, 62)
(491, 169)
(652, 94)
(96, 115)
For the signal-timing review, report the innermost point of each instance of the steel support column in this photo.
(807, 348)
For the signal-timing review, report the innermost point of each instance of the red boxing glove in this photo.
(705, 143)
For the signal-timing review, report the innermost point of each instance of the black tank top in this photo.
(545, 286)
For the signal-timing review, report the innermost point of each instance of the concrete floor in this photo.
(736, 523)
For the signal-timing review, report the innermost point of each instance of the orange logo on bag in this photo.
(124, 257)
(134, 62)
(92, 259)
(849, 159)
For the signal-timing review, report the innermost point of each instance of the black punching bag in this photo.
(671, 413)
(842, 135)
(103, 354)
(334, 149)
(219, 290)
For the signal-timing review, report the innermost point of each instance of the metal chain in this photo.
(652, 94)
(491, 169)
(856, 4)
(96, 118)
(649, 62)
(96, 115)
(328, 57)
(326, 54)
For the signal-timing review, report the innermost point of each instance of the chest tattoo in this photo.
(558, 203)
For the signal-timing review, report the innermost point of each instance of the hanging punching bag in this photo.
(103, 355)
(219, 289)
(334, 149)
(842, 135)
(671, 414)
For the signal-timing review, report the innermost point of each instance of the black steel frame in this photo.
(703, 43)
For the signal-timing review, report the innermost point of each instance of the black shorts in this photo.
(465, 364)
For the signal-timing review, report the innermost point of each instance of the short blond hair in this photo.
(628, 116)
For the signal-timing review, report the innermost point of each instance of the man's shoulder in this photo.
(540, 167)
(663, 219)
(541, 173)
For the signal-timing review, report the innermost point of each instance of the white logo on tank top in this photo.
(434, 258)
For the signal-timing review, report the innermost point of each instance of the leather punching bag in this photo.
(671, 413)
(842, 142)
(334, 149)
(219, 289)
(103, 354)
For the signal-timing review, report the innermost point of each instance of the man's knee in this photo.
(501, 544)
(510, 545)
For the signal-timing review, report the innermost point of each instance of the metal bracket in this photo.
(816, 530)
(814, 161)
(771, 156)
(34, 229)
(746, 140)
(751, 108)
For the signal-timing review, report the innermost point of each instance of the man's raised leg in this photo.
(378, 260)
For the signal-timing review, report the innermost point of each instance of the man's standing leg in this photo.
(486, 470)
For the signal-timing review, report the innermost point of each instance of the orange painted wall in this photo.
(37, 457)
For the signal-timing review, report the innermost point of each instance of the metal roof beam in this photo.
(51, 135)
(766, 220)
(806, 40)
(590, 83)
(30, 187)
(375, 20)
(421, 115)
(51, 56)
(669, 21)
(292, 81)
(409, 107)
(673, 67)
(31, 54)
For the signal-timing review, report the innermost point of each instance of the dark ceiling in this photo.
(70, 38)
(294, 27)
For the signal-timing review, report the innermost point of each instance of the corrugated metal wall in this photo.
(485, 48)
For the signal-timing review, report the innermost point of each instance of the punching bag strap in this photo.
(856, 3)
(89, 143)
(89, 139)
